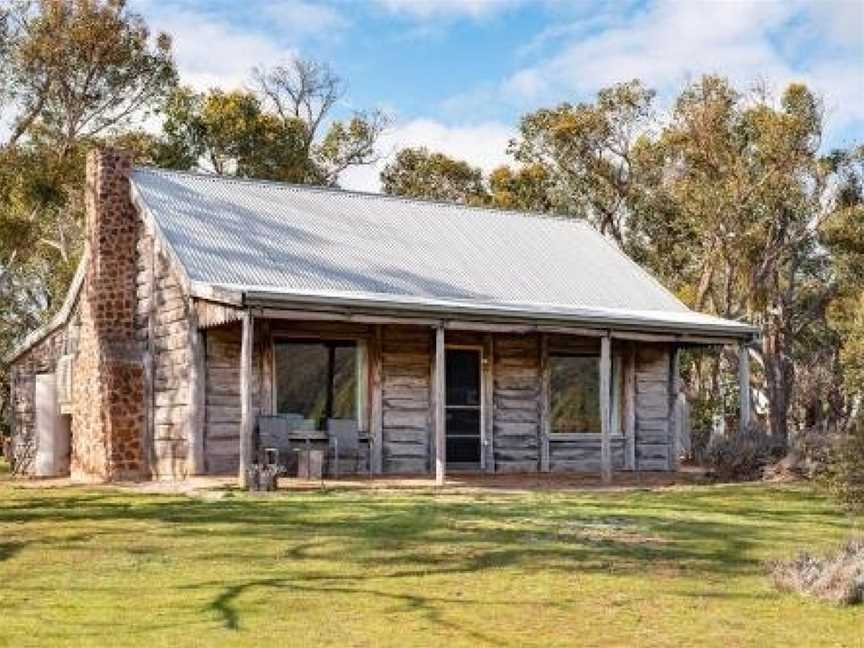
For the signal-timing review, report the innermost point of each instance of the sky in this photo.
(455, 75)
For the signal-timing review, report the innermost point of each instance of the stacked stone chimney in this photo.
(108, 392)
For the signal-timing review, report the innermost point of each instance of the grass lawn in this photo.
(84, 566)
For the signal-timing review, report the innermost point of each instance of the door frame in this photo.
(480, 359)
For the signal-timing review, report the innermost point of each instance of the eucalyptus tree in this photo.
(420, 173)
(587, 150)
(283, 129)
(71, 72)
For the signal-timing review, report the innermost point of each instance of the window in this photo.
(316, 381)
(575, 393)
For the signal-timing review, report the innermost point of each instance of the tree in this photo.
(743, 192)
(526, 188)
(277, 132)
(587, 152)
(420, 173)
(233, 135)
(730, 202)
(80, 68)
(72, 72)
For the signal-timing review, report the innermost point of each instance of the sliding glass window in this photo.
(317, 381)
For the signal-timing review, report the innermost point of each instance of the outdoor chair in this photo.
(344, 442)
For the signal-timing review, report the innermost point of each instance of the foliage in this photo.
(419, 173)
(732, 202)
(527, 188)
(72, 73)
(406, 567)
(843, 471)
(276, 132)
(742, 455)
(836, 578)
(588, 151)
(79, 68)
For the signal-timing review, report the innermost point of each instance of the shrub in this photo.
(806, 457)
(742, 456)
(843, 472)
(836, 578)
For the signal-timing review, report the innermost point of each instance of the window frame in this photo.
(362, 370)
(617, 388)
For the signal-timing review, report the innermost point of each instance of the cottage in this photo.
(212, 317)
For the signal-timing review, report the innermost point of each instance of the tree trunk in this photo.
(778, 380)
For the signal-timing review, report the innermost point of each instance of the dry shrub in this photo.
(742, 456)
(836, 578)
(806, 458)
(843, 473)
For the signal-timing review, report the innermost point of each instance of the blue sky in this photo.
(455, 75)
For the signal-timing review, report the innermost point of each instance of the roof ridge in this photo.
(295, 186)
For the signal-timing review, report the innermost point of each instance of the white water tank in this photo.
(53, 433)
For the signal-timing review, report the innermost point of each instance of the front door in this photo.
(463, 409)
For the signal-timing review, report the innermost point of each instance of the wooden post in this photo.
(488, 447)
(196, 411)
(744, 386)
(605, 409)
(247, 417)
(439, 394)
(629, 407)
(267, 397)
(545, 418)
(674, 386)
(376, 409)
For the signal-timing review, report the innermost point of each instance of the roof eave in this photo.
(328, 303)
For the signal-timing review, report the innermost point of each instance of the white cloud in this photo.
(483, 145)
(214, 48)
(425, 9)
(669, 43)
(304, 17)
(210, 52)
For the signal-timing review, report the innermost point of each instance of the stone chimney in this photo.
(108, 391)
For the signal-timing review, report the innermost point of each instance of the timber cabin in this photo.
(450, 337)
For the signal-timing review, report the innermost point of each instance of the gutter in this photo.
(354, 306)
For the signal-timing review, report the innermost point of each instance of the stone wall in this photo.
(108, 394)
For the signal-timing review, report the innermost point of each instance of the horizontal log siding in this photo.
(222, 377)
(653, 445)
(222, 398)
(406, 384)
(583, 455)
(516, 398)
(406, 398)
(162, 299)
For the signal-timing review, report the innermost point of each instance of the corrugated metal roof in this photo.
(260, 236)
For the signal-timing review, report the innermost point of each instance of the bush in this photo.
(742, 456)
(843, 472)
(806, 458)
(836, 578)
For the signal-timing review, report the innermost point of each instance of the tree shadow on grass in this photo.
(9, 548)
(375, 539)
(225, 603)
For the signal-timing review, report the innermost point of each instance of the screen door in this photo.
(463, 408)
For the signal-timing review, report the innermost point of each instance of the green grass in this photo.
(89, 566)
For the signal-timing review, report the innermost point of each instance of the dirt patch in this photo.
(217, 487)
